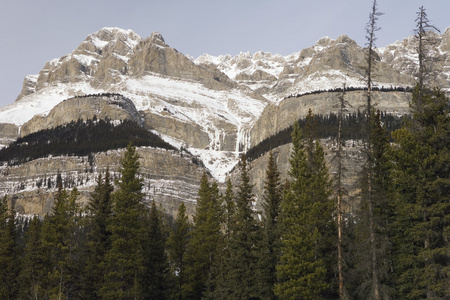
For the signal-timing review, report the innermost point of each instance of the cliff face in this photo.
(277, 117)
(114, 107)
(169, 178)
(215, 107)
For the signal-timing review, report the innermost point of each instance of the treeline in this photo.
(353, 89)
(79, 138)
(119, 247)
(325, 126)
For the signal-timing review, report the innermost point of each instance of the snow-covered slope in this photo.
(218, 97)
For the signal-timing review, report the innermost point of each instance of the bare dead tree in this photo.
(371, 29)
(425, 41)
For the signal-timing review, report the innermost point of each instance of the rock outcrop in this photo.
(215, 107)
(169, 178)
(277, 117)
(113, 107)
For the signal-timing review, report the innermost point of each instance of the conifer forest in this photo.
(300, 245)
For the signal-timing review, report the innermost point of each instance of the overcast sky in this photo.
(35, 31)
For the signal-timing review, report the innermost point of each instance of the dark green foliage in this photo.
(155, 281)
(422, 180)
(305, 269)
(205, 239)
(9, 262)
(79, 138)
(99, 211)
(59, 241)
(177, 247)
(34, 271)
(243, 265)
(374, 219)
(325, 127)
(352, 89)
(271, 248)
(124, 260)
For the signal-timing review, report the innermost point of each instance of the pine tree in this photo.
(98, 240)
(244, 270)
(218, 287)
(205, 238)
(34, 271)
(59, 241)
(271, 205)
(9, 261)
(375, 216)
(367, 174)
(177, 247)
(340, 193)
(155, 281)
(424, 41)
(230, 208)
(422, 181)
(123, 261)
(306, 219)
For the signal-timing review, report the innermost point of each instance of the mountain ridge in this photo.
(208, 104)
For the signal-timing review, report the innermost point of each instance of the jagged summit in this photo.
(106, 35)
(157, 37)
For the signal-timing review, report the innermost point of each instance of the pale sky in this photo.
(36, 31)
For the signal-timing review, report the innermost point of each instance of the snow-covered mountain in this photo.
(222, 96)
(211, 105)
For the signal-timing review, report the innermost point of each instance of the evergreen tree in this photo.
(59, 242)
(123, 261)
(373, 226)
(177, 247)
(98, 240)
(34, 269)
(422, 181)
(218, 287)
(367, 181)
(304, 269)
(155, 281)
(9, 261)
(244, 270)
(205, 238)
(271, 251)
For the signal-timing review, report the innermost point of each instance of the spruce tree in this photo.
(123, 261)
(374, 219)
(9, 260)
(218, 287)
(205, 238)
(99, 211)
(271, 251)
(244, 270)
(155, 281)
(60, 244)
(422, 181)
(177, 247)
(306, 219)
(34, 271)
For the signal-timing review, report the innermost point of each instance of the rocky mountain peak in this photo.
(157, 38)
(109, 37)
